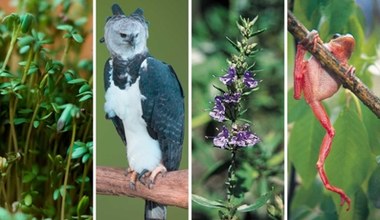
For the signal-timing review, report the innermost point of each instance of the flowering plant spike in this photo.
(240, 81)
(235, 132)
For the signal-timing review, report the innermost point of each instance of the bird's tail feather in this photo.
(154, 211)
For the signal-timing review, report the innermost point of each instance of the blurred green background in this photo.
(259, 168)
(168, 41)
(353, 163)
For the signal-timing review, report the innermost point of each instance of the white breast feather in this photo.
(143, 152)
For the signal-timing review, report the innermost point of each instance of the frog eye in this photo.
(336, 36)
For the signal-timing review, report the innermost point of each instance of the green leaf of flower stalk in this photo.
(259, 203)
(207, 203)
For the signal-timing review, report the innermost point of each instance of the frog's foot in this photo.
(314, 39)
(350, 72)
(152, 177)
(132, 182)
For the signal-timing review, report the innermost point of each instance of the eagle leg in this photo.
(159, 169)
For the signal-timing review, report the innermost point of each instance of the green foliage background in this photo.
(353, 163)
(259, 168)
(168, 41)
(45, 111)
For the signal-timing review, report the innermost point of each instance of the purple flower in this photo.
(249, 81)
(243, 137)
(231, 98)
(229, 77)
(250, 138)
(238, 139)
(218, 111)
(221, 140)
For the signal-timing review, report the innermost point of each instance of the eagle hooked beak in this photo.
(130, 39)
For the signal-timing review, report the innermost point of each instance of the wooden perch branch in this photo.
(332, 65)
(169, 190)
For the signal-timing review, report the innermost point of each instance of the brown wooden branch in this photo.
(332, 65)
(169, 190)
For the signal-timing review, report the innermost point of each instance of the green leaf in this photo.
(337, 14)
(56, 194)
(80, 21)
(309, 196)
(6, 74)
(78, 38)
(348, 164)
(262, 200)
(372, 124)
(206, 203)
(29, 176)
(24, 49)
(304, 142)
(36, 124)
(85, 158)
(84, 88)
(26, 22)
(78, 152)
(296, 108)
(18, 121)
(373, 187)
(360, 209)
(76, 81)
(65, 27)
(84, 98)
(83, 204)
(233, 44)
(24, 41)
(28, 200)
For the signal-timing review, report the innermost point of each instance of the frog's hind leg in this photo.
(325, 148)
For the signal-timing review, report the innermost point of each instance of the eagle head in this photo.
(126, 36)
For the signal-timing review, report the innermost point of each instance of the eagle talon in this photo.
(160, 169)
(143, 174)
(150, 184)
(132, 186)
(128, 171)
(132, 183)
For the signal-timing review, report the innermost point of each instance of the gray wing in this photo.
(163, 109)
(117, 122)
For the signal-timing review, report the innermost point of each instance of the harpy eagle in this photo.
(144, 100)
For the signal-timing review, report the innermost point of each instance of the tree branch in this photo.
(169, 190)
(332, 65)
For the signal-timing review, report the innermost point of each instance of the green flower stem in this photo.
(231, 182)
(68, 169)
(15, 33)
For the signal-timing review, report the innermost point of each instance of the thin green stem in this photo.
(15, 33)
(231, 183)
(4, 193)
(66, 50)
(11, 122)
(30, 131)
(85, 172)
(67, 170)
(27, 66)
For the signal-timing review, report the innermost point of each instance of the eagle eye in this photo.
(123, 35)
